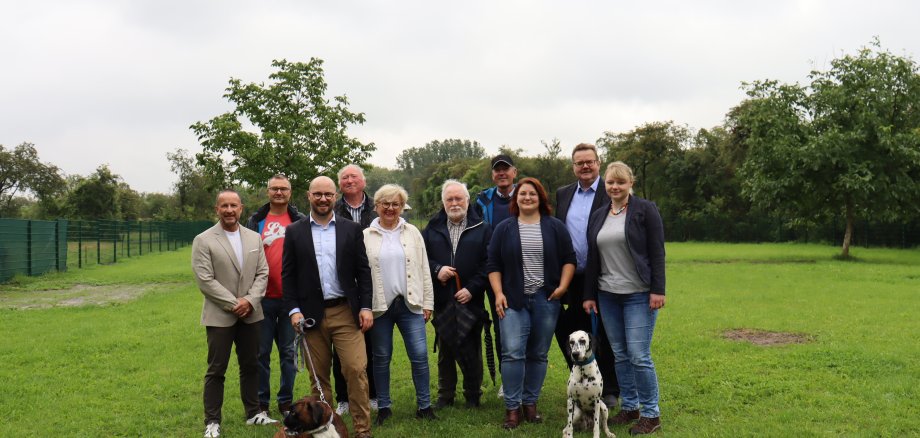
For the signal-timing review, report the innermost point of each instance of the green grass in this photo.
(134, 368)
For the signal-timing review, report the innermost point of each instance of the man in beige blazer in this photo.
(231, 271)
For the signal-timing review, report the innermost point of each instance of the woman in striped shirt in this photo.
(531, 263)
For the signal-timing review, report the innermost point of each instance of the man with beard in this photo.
(357, 206)
(456, 240)
(326, 282)
(270, 221)
(231, 272)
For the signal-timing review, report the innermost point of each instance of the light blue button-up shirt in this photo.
(576, 221)
(324, 246)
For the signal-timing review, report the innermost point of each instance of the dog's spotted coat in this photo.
(585, 388)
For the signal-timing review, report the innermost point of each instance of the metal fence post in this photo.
(29, 248)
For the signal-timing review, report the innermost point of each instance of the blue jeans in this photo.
(412, 328)
(526, 336)
(630, 324)
(276, 328)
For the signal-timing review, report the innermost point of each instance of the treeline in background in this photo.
(836, 160)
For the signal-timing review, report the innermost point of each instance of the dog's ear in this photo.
(316, 409)
(590, 342)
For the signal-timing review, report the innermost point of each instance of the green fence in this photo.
(32, 247)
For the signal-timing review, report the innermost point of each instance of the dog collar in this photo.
(324, 427)
(582, 363)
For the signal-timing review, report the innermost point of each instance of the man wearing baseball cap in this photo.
(495, 201)
(493, 204)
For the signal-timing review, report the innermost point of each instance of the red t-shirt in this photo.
(273, 239)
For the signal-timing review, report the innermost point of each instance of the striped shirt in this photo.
(455, 230)
(532, 255)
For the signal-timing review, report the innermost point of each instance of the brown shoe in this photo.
(623, 418)
(645, 426)
(531, 415)
(512, 418)
(363, 435)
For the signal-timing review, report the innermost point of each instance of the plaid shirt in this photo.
(455, 230)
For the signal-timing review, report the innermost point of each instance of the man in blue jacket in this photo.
(493, 205)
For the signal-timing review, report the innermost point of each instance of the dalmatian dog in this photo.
(585, 388)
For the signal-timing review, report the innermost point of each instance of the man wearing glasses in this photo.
(327, 284)
(574, 204)
(270, 221)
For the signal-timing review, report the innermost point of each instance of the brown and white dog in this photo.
(585, 388)
(311, 417)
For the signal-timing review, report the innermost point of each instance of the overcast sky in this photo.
(119, 82)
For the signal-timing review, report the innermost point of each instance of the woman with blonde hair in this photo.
(624, 284)
(403, 297)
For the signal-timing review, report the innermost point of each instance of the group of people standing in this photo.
(353, 270)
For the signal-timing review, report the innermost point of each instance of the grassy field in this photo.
(117, 351)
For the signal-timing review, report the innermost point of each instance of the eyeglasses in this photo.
(584, 163)
(279, 189)
(320, 195)
(454, 200)
(392, 205)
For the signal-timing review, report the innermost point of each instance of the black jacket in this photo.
(367, 214)
(255, 221)
(644, 237)
(470, 259)
(300, 280)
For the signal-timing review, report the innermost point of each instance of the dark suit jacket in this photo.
(564, 196)
(300, 280)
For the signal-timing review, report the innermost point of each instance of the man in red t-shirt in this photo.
(270, 221)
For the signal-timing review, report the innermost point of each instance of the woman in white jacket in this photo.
(403, 297)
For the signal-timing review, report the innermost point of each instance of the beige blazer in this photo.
(221, 280)
(420, 293)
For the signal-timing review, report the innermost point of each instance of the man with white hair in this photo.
(456, 239)
(354, 204)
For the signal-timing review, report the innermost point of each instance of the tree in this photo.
(194, 190)
(22, 172)
(648, 149)
(847, 144)
(299, 132)
(418, 159)
(95, 197)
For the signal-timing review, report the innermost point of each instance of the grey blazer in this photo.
(221, 280)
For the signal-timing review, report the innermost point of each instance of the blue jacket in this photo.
(505, 256)
(484, 204)
(470, 259)
(644, 237)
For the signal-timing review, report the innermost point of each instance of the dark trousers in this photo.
(471, 367)
(573, 318)
(341, 385)
(220, 341)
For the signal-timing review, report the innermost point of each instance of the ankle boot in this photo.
(531, 415)
(512, 418)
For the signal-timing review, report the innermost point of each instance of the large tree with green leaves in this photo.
(648, 150)
(299, 132)
(21, 172)
(847, 144)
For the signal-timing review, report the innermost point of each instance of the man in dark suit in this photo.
(574, 204)
(326, 280)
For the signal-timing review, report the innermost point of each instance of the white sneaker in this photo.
(501, 391)
(260, 419)
(374, 405)
(212, 431)
(342, 408)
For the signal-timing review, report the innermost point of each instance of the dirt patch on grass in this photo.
(78, 295)
(764, 337)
